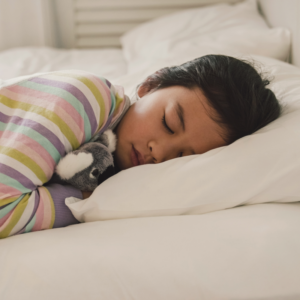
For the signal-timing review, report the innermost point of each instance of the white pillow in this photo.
(262, 167)
(219, 29)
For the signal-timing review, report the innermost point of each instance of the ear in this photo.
(142, 90)
(73, 163)
(111, 140)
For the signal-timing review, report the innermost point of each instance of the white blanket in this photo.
(109, 63)
(251, 252)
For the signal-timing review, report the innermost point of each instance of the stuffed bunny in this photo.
(89, 165)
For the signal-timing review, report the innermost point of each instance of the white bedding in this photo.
(109, 63)
(248, 252)
(243, 253)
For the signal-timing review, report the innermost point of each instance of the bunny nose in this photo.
(110, 171)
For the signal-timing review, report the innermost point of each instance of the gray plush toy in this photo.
(89, 165)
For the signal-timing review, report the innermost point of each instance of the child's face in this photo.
(166, 124)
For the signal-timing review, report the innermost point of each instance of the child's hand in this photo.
(86, 194)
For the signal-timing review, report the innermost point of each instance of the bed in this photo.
(229, 231)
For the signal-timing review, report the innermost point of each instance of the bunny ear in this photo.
(107, 138)
(72, 163)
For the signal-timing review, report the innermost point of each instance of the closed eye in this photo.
(166, 125)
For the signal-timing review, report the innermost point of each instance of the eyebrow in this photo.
(180, 113)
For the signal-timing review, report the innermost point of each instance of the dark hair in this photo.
(234, 89)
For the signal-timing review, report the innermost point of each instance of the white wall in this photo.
(26, 23)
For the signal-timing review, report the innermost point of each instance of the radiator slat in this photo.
(117, 15)
(93, 4)
(98, 42)
(103, 29)
(100, 23)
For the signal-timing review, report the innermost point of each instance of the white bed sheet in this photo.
(109, 63)
(249, 252)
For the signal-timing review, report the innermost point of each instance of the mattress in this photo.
(109, 63)
(250, 252)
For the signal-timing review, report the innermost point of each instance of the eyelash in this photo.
(165, 124)
(168, 128)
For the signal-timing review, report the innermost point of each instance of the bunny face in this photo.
(99, 169)
(89, 165)
(86, 167)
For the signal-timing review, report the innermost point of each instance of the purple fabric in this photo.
(36, 204)
(76, 93)
(63, 215)
(108, 83)
(42, 130)
(106, 125)
(10, 172)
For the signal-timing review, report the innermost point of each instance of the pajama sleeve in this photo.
(42, 118)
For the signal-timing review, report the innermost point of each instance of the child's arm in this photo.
(41, 119)
(41, 209)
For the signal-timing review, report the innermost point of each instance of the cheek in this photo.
(138, 133)
(140, 126)
(140, 123)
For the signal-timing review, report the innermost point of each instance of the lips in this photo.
(136, 157)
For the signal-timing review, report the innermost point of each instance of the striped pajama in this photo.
(42, 118)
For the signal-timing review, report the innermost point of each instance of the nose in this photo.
(163, 150)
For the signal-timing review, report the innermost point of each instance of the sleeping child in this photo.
(183, 110)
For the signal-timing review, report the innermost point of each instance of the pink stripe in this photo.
(120, 91)
(103, 89)
(47, 208)
(39, 215)
(3, 220)
(30, 153)
(101, 86)
(105, 92)
(59, 106)
(117, 112)
(3, 195)
(8, 191)
(7, 220)
(34, 145)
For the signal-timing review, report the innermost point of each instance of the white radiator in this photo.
(100, 23)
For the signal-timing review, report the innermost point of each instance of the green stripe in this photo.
(26, 161)
(34, 135)
(119, 100)
(16, 215)
(46, 113)
(67, 96)
(97, 94)
(113, 103)
(9, 181)
(30, 225)
(52, 208)
(7, 200)
(4, 211)
(112, 96)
